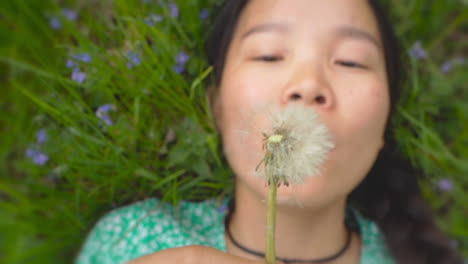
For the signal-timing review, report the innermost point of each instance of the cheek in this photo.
(362, 129)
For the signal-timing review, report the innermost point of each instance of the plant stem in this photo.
(271, 223)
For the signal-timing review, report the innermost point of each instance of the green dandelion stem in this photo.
(271, 222)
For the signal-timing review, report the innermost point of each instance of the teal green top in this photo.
(151, 225)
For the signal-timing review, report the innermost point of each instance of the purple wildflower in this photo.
(84, 57)
(153, 18)
(41, 136)
(105, 108)
(70, 14)
(204, 14)
(40, 158)
(30, 152)
(446, 67)
(102, 113)
(107, 120)
(417, 51)
(134, 59)
(450, 64)
(70, 64)
(182, 58)
(223, 208)
(178, 68)
(174, 9)
(78, 76)
(55, 23)
(445, 185)
(37, 157)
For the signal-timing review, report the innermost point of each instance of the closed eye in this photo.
(350, 64)
(268, 58)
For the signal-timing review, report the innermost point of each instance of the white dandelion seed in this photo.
(295, 146)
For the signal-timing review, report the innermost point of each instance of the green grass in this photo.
(162, 141)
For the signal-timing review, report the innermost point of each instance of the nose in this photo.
(308, 85)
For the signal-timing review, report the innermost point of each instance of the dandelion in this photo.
(55, 23)
(41, 136)
(78, 76)
(70, 14)
(295, 148)
(445, 185)
(204, 14)
(174, 10)
(417, 51)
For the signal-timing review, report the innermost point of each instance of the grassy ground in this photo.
(103, 103)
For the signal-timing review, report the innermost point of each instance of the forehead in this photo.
(309, 15)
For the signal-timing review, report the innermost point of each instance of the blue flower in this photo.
(178, 68)
(102, 113)
(105, 108)
(78, 76)
(223, 208)
(37, 157)
(182, 58)
(84, 57)
(70, 14)
(55, 23)
(153, 18)
(174, 10)
(445, 185)
(204, 14)
(450, 64)
(417, 51)
(41, 136)
(70, 64)
(134, 59)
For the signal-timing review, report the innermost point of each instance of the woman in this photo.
(338, 57)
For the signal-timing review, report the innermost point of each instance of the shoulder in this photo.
(374, 247)
(145, 227)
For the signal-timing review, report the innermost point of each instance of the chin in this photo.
(311, 193)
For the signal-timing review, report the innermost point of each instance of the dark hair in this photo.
(390, 194)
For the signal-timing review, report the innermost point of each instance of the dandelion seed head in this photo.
(297, 144)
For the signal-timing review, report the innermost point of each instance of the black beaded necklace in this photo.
(350, 227)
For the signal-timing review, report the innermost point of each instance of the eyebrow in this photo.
(342, 31)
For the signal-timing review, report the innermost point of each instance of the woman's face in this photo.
(323, 54)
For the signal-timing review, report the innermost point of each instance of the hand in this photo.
(194, 255)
